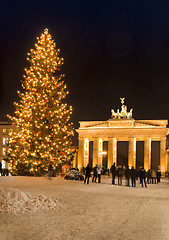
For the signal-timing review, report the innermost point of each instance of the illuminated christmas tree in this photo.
(42, 117)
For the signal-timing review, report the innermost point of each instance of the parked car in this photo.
(74, 175)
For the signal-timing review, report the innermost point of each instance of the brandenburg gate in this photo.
(122, 127)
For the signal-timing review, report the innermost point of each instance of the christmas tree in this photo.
(42, 117)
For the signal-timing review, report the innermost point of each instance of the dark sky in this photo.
(111, 49)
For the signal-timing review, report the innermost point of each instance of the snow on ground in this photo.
(39, 209)
(15, 201)
(7, 178)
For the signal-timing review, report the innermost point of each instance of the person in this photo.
(153, 176)
(166, 174)
(83, 170)
(99, 173)
(94, 174)
(143, 177)
(127, 176)
(87, 173)
(50, 171)
(139, 174)
(6, 172)
(158, 173)
(113, 172)
(133, 175)
(149, 176)
(119, 175)
(103, 170)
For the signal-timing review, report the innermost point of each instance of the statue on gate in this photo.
(123, 114)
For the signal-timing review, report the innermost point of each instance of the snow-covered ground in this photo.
(36, 208)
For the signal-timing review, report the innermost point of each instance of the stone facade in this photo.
(114, 130)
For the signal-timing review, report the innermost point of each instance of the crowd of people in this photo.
(118, 174)
(96, 173)
(130, 175)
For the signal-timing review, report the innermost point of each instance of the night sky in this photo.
(111, 49)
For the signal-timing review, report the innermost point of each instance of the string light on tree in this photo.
(42, 117)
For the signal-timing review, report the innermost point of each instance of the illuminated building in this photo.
(5, 129)
(122, 127)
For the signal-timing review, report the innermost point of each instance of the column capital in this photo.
(147, 139)
(132, 138)
(163, 138)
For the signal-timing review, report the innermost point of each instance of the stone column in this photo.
(167, 159)
(115, 150)
(80, 163)
(75, 161)
(132, 153)
(97, 151)
(112, 152)
(163, 159)
(147, 153)
(86, 152)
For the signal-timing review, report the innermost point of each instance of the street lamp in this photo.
(104, 153)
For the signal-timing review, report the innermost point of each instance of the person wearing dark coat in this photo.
(158, 174)
(87, 174)
(149, 176)
(94, 174)
(127, 176)
(143, 176)
(6, 172)
(99, 173)
(133, 174)
(83, 170)
(139, 174)
(120, 175)
(113, 172)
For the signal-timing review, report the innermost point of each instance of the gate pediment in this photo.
(124, 123)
